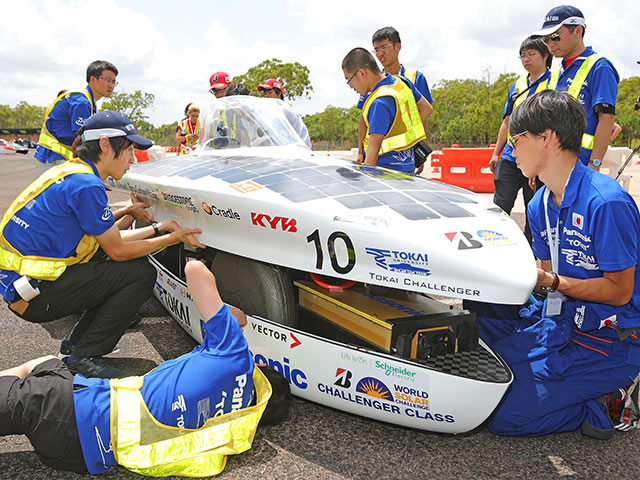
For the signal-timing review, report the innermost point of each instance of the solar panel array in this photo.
(299, 180)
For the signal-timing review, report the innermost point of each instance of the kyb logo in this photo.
(275, 223)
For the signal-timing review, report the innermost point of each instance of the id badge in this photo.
(554, 304)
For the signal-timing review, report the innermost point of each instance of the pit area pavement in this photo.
(316, 442)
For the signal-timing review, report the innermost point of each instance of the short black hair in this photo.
(386, 33)
(238, 89)
(359, 58)
(277, 408)
(571, 28)
(536, 43)
(549, 109)
(90, 150)
(96, 68)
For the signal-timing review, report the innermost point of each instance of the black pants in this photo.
(108, 292)
(508, 180)
(40, 406)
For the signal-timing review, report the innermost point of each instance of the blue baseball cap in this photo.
(113, 124)
(558, 16)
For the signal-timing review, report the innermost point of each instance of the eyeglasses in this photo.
(354, 74)
(554, 37)
(109, 81)
(382, 47)
(511, 139)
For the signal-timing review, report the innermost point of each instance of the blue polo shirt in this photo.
(601, 86)
(420, 83)
(66, 118)
(53, 223)
(380, 117)
(599, 229)
(512, 96)
(213, 379)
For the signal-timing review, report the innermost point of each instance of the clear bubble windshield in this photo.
(243, 121)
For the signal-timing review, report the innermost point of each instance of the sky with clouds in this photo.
(170, 48)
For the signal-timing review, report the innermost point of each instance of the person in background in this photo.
(219, 83)
(508, 179)
(68, 112)
(188, 132)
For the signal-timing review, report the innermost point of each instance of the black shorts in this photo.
(40, 406)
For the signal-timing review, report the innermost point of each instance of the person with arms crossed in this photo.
(89, 425)
(570, 350)
(508, 179)
(68, 113)
(394, 112)
(62, 253)
(586, 75)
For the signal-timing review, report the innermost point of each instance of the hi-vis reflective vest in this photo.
(145, 446)
(44, 268)
(521, 86)
(49, 141)
(406, 129)
(576, 86)
(411, 74)
(186, 127)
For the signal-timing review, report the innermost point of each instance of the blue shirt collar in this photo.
(93, 100)
(573, 185)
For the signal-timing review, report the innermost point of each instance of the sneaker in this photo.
(66, 348)
(93, 367)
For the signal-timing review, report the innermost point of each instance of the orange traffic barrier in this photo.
(141, 155)
(464, 167)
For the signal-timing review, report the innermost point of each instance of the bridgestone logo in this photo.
(275, 223)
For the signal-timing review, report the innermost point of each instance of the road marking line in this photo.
(562, 469)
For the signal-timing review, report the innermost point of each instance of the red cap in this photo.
(269, 84)
(220, 80)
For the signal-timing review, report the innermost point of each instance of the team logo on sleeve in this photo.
(106, 214)
(577, 220)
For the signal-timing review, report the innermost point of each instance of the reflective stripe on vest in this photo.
(576, 87)
(169, 450)
(44, 268)
(50, 142)
(225, 122)
(406, 129)
(189, 145)
(521, 86)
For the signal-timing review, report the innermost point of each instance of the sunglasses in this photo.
(511, 140)
(554, 37)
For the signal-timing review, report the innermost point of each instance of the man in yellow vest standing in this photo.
(50, 262)
(508, 179)
(386, 46)
(585, 75)
(394, 112)
(172, 421)
(68, 112)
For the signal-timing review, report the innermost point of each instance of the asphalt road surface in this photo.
(315, 442)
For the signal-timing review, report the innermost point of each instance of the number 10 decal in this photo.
(315, 238)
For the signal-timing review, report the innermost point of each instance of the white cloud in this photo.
(170, 49)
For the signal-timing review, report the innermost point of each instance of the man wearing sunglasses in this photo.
(68, 113)
(386, 46)
(585, 75)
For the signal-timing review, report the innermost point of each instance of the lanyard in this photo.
(554, 240)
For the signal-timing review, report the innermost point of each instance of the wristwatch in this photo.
(156, 230)
(596, 162)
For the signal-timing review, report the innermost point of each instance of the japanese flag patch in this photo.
(577, 220)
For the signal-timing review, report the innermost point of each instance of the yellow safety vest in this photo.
(521, 86)
(34, 266)
(145, 446)
(49, 141)
(411, 74)
(576, 86)
(225, 121)
(406, 129)
(189, 145)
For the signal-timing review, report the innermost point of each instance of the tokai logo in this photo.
(398, 261)
(283, 223)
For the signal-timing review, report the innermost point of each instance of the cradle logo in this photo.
(374, 388)
(400, 261)
(577, 220)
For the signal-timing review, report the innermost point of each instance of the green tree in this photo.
(294, 77)
(22, 115)
(626, 115)
(133, 105)
(335, 124)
